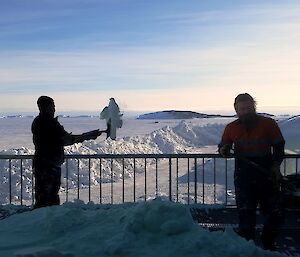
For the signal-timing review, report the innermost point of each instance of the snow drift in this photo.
(154, 228)
(183, 138)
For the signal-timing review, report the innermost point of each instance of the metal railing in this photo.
(120, 178)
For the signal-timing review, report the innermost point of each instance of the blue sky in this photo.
(149, 55)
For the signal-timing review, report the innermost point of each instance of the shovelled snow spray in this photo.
(112, 115)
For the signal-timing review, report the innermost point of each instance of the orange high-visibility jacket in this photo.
(256, 142)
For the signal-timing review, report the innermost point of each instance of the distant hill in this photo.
(173, 114)
(266, 114)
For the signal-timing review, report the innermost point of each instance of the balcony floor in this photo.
(220, 219)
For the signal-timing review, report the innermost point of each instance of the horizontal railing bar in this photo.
(117, 156)
(16, 156)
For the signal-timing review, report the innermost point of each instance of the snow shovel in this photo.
(253, 164)
(276, 181)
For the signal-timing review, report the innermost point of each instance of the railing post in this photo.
(111, 181)
(89, 179)
(10, 191)
(145, 198)
(32, 183)
(134, 180)
(214, 180)
(203, 179)
(21, 171)
(226, 182)
(123, 180)
(188, 183)
(67, 180)
(196, 179)
(177, 166)
(156, 177)
(78, 185)
(170, 179)
(100, 182)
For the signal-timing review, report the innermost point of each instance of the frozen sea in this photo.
(16, 131)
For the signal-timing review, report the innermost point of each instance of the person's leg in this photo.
(247, 221)
(55, 186)
(246, 200)
(272, 208)
(40, 189)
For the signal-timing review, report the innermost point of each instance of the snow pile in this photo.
(183, 138)
(291, 132)
(155, 228)
(199, 136)
(164, 140)
(19, 151)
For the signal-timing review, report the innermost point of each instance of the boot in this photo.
(268, 240)
(248, 234)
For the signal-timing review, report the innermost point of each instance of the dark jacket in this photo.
(263, 144)
(49, 140)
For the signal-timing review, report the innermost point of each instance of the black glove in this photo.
(93, 134)
(224, 150)
(276, 175)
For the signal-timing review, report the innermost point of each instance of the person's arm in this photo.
(278, 153)
(70, 139)
(278, 143)
(226, 143)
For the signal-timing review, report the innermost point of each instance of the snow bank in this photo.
(165, 140)
(155, 228)
(183, 138)
(290, 128)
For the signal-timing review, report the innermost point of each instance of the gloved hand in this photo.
(224, 150)
(93, 134)
(276, 175)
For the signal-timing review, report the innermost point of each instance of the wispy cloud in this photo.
(135, 68)
(251, 47)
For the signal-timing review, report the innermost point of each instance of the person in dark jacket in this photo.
(49, 138)
(258, 150)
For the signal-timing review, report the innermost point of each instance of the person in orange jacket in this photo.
(258, 147)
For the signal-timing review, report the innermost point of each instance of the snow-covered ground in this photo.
(155, 228)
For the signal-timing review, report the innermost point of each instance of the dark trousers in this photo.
(47, 185)
(254, 189)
